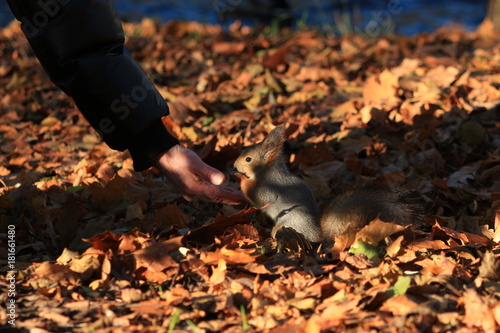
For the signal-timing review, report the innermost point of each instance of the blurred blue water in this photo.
(368, 17)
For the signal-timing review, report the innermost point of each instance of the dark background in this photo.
(395, 16)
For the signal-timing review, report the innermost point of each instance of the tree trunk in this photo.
(494, 13)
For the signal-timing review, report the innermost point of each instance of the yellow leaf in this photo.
(190, 133)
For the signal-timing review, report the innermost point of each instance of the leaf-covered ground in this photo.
(102, 248)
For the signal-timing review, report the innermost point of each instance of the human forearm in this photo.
(80, 45)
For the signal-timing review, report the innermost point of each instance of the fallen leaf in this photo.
(239, 256)
(56, 273)
(381, 89)
(490, 266)
(154, 258)
(378, 230)
(219, 272)
(104, 241)
(444, 234)
(399, 305)
(228, 47)
(477, 313)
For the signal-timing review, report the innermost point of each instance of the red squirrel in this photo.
(266, 182)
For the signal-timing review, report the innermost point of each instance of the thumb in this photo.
(212, 175)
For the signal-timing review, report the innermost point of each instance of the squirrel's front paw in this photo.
(290, 240)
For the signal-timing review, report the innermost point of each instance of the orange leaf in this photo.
(273, 58)
(206, 233)
(381, 89)
(238, 256)
(443, 233)
(155, 258)
(171, 215)
(219, 272)
(104, 241)
(477, 312)
(378, 230)
(438, 265)
(399, 305)
(56, 273)
(228, 47)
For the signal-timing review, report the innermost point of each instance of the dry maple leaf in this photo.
(105, 241)
(155, 258)
(236, 256)
(478, 313)
(381, 89)
(399, 305)
(206, 233)
(438, 265)
(56, 273)
(219, 272)
(447, 234)
(378, 230)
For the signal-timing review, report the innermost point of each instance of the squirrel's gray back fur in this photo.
(292, 203)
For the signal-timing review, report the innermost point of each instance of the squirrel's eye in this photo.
(248, 159)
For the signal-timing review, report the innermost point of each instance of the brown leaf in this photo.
(237, 256)
(57, 273)
(134, 211)
(378, 230)
(490, 266)
(438, 265)
(234, 48)
(155, 306)
(477, 313)
(105, 172)
(219, 272)
(87, 264)
(496, 236)
(395, 247)
(176, 295)
(273, 58)
(132, 241)
(257, 268)
(66, 256)
(344, 241)
(130, 295)
(155, 258)
(427, 244)
(381, 89)
(4, 171)
(54, 316)
(399, 305)
(445, 234)
(106, 241)
(206, 233)
(106, 268)
(171, 215)
(105, 197)
(312, 156)
(442, 76)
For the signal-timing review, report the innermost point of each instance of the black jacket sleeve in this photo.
(80, 43)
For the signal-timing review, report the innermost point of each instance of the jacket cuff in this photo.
(150, 144)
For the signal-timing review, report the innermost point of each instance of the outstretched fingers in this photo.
(194, 179)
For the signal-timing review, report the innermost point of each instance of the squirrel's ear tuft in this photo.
(277, 135)
(275, 138)
(273, 143)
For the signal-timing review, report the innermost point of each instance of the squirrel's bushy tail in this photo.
(360, 205)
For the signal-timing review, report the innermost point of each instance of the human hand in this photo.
(194, 179)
